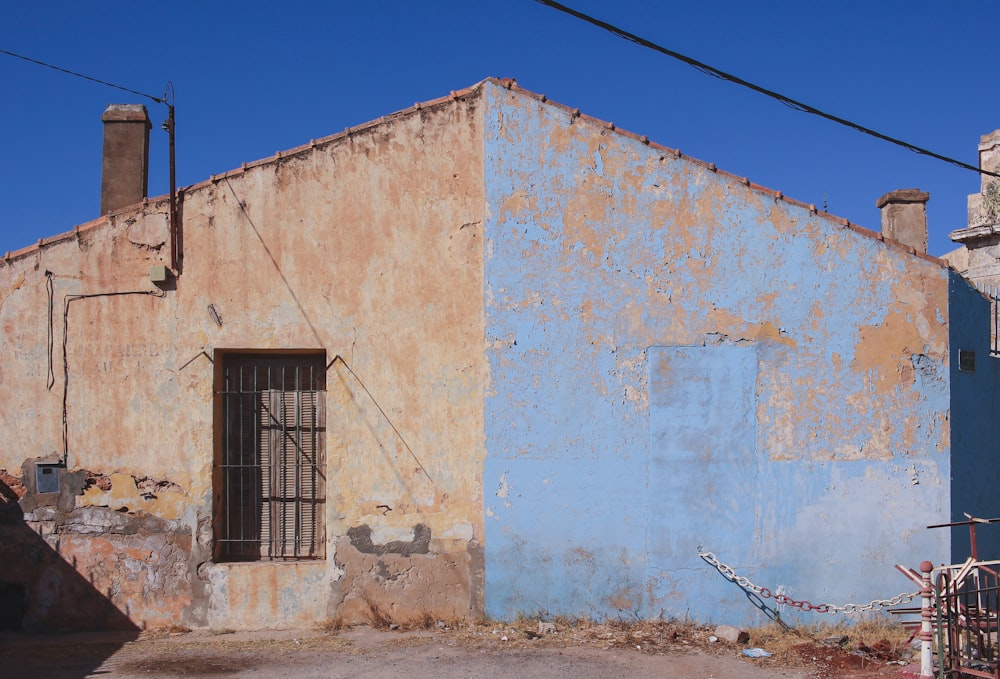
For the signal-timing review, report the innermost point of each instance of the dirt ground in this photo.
(481, 651)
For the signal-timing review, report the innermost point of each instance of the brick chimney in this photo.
(125, 168)
(904, 217)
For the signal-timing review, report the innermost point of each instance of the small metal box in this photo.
(159, 274)
(47, 478)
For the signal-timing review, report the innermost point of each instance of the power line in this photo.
(167, 99)
(158, 100)
(787, 101)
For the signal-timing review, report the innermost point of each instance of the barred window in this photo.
(270, 473)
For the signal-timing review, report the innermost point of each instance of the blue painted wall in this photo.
(680, 361)
(975, 438)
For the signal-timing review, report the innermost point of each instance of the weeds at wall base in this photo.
(830, 650)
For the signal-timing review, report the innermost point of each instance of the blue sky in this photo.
(252, 78)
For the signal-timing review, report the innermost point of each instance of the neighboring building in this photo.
(486, 355)
(978, 259)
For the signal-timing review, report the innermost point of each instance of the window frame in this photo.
(250, 508)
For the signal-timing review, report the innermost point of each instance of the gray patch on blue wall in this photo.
(703, 451)
(361, 539)
(926, 368)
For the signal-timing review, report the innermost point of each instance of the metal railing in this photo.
(967, 602)
(959, 613)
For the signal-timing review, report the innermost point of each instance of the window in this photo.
(966, 361)
(270, 473)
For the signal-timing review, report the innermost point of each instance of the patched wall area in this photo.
(679, 360)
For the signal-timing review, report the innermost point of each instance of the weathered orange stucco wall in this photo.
(364, 245)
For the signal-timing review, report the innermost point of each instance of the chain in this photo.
(729, 574)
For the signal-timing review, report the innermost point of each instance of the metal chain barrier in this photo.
(729, 574)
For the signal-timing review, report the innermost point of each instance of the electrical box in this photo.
(159, 274)
(47, 477)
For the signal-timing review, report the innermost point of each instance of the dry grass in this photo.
(837, 650)
(332, 625)
(829, 650)
(863, 644)
(380, 619)
(655, 636)
(889, 638)
(880, 638)
(870, 633)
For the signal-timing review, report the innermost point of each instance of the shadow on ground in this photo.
(42, 598)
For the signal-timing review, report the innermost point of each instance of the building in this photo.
(483, 356)
(978, 258)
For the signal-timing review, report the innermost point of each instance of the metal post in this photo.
(926, 633)
(175, 236)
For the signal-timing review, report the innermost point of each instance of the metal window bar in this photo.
(968, 604)
(995, 325)
(993, 295)
(272, 479)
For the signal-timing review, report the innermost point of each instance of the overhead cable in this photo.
(788, 101)
(176, 242)
(159, 100)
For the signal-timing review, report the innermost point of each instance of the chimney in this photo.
(125, 168)
(904, 217)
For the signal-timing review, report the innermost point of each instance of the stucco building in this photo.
(978, 258)
(485, 355)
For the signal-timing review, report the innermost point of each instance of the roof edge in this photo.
(213, 179)
(510, 84)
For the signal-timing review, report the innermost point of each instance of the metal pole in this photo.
(175, 245)
(926, 633)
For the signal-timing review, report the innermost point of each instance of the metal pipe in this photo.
(175, 237)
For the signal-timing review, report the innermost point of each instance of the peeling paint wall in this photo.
(365, 245)
(679, 361)
(560, 360)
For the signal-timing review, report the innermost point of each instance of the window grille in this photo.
(271, 469)
(993, 295)
(994, 323)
